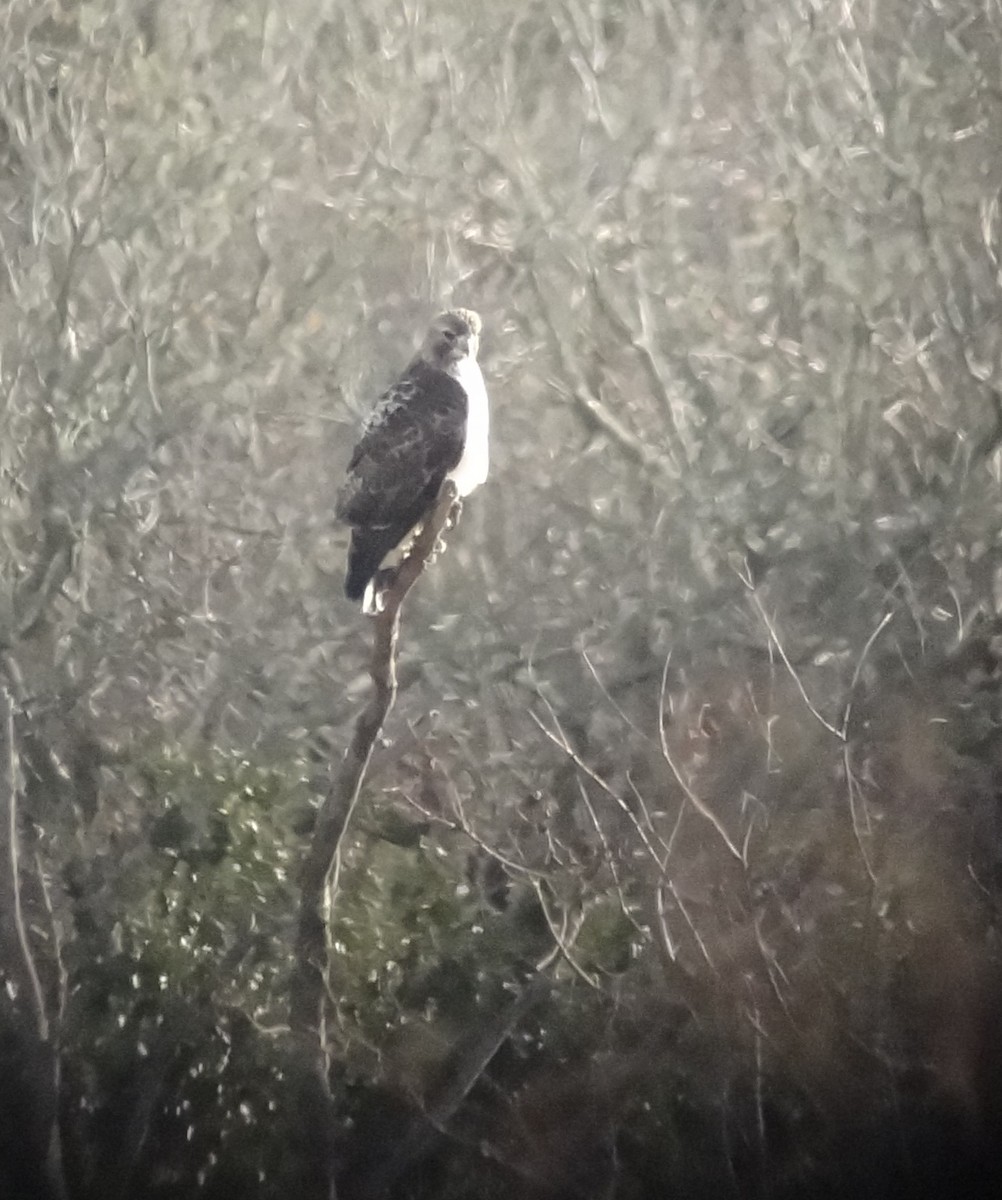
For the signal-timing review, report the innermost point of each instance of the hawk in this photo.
(431, 425)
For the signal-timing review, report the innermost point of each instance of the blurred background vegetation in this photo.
(678, 872)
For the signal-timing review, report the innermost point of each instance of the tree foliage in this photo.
(677, 868)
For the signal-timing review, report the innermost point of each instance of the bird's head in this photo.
(453, 336)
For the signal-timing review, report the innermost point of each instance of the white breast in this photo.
(471, 470)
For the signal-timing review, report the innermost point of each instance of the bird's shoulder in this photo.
(421, 418)
(422, 394)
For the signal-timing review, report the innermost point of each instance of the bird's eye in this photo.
(449, 335)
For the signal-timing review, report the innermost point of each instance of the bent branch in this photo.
(319, 873)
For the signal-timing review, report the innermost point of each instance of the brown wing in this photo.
(413, 439)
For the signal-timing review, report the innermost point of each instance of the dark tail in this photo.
(367, 550)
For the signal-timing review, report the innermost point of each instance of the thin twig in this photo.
(642, 803)
(853, 788)
(858, 671)
(609, 860)
(669, 946)
(774, 636)
(616, 707)
(463, 825)
(563, 943)
(699, 805)
(591, 408)
(57, 949)
(597, 779)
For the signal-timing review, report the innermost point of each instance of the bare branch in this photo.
(563, 942)
(466, 1066)
(559, 739)
(692, 927)
(13, 904)
(774, 636)
(854, 790)
(24, 972)
(318, 880)
(55, 562)
(699, 805)
(847, 713)
(591, 409)
(610, 860)
(642, 348)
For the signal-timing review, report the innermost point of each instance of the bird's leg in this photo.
(451, 521)
(379, 584)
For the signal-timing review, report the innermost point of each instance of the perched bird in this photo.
(431, 425)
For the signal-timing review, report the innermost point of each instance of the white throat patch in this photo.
(471, 470)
